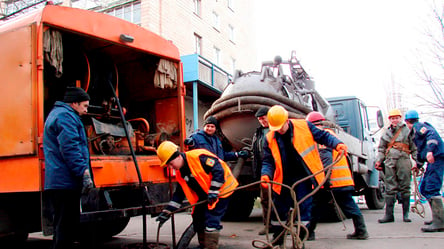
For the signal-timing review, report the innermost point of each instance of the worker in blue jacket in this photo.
(207, 139)
(430, 148)
(65, 147)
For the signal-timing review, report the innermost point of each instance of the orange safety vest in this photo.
(204, 179)
(304, 144)
(340, 172)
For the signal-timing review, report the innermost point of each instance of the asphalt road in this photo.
(398, 235)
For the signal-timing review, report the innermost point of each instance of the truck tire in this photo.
(374, 197)
(12, 232)
(240, 206)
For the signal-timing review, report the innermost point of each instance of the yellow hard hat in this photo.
(394, 112)
(277, 116)
(165, 151)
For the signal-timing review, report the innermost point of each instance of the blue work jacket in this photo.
(427, 139)
(212, 144)
(65, 146)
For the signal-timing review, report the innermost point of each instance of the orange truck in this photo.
(119, 64)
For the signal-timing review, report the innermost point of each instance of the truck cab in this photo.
(351, 115)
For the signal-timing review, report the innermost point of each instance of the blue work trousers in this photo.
(433, 177)
(210, 219)
(284, 202)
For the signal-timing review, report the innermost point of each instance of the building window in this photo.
(129, 12)
(230, 4)
(233, 65)
(197, 44)
(24, 6)
(197, 7)
(216, 21)
(217, 55)
(231, 32)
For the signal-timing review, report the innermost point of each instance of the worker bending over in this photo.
(201, 176)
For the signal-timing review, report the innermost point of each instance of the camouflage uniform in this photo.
(397, 167)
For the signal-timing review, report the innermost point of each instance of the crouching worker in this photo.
(201, 176)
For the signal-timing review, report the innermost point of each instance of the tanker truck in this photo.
(134, 79)
(287, 83)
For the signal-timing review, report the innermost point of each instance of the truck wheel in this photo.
(374, 197)
(240, 206)
(12, 232)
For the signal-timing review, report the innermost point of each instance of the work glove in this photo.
(87, 183)
(163, 217)
(243, 154)
(212, 200)
(342, 147)
(188, 141)
(265, 180)
(378, 166)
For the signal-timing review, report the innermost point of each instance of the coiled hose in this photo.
(417, 207)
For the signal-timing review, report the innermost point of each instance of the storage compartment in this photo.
(140, 80)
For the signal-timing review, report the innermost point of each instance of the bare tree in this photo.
(432, 72)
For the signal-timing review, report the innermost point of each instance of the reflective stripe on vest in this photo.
(340, 173)
(304, 144)
(204, 179)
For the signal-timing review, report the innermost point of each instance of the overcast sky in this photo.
(349, 47)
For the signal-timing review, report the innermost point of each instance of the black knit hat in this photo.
(262, 111)
(211, 120)
(75, 94)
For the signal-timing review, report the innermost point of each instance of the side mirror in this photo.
(379, 119)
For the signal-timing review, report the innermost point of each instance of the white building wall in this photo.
(176, 21)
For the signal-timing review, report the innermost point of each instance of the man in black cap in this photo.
(66, 152)
(258, 153)
(207, 139)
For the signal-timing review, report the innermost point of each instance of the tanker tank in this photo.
(280, 82)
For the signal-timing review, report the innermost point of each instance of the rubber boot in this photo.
(360, 229)
(211, 240)
(263, 231)
(429, 222)
(437, 216)
(280, 241)
(389, 205)
(406, 209)
(311, 230)
(201, 239)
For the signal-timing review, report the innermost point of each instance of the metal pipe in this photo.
(241, 101)
(271, 95)
(133, 154)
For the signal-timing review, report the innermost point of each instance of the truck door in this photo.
(17, 105)
(367, 144)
